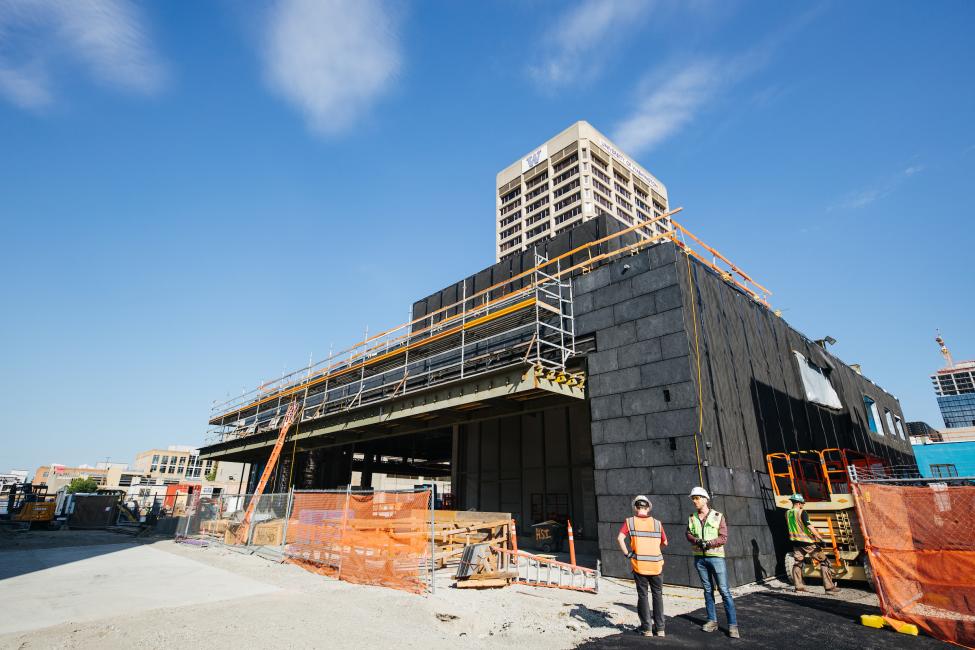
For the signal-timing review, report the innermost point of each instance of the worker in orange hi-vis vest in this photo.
(647, 539)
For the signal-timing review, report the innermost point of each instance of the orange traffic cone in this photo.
(572, 545)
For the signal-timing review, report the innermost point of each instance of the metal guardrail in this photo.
(533, 325)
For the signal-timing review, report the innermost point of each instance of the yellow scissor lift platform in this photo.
(822, 478)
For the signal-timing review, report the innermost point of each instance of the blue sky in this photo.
(195, 197)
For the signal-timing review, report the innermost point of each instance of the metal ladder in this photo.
(538, 571)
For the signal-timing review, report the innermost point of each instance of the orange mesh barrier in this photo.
(921, 545)
(375, 538)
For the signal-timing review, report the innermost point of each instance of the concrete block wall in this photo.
(644, 416)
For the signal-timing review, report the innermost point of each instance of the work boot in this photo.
(646, 632)
(733, 632)
(798, 589)
(710, 626)
(834, 590)
(660, 633)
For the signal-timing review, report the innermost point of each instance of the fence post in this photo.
(186, 530)
(433, 540)
(287, 517)
(345, 514)
(250, 524)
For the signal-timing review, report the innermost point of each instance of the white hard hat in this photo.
(700, 492)
(641, 497)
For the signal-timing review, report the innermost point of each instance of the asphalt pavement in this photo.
(777, 620)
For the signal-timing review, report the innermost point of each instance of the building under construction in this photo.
(562, 381)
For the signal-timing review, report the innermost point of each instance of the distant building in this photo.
(569, 179)
(154, 471)
(180, 464)
(958, 410)
(947, 453)
(119, 475)
(14, 476)
(57, 476)
(7, 482)
(173, 464)
(955, 387)
(919, 429)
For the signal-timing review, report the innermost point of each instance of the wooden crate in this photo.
(215, 527)
(269, 533)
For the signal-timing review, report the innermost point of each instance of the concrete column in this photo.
(368, 463)
(337, 467)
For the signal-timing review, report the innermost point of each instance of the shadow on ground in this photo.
(776, 620)
(29, 551)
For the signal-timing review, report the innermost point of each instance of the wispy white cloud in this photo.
(672, 95)
(26, 86)
(332, 59)
(578, 40)
(666, 108)
(105, 37)
(863, 197)
(867, 195)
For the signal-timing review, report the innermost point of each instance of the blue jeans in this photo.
(717, 565)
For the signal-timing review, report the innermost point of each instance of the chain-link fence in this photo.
(370, 537)
(222, 519)
(378, 538)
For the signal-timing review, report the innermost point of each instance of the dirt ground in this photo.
(157, 593)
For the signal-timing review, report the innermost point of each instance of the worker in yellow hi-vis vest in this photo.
(707, 531)
(647, 539)
(806, 542)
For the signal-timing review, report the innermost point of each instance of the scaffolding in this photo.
(484, 332)
(525, 320)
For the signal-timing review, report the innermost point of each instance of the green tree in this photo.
(211, 475)
(82, 485)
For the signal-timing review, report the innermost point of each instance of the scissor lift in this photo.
(822, 477)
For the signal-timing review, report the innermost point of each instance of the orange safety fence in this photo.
(921, 548)
(374, 538)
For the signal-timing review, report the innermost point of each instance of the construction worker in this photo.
(647, 539)
(707, 530)
(807, 542)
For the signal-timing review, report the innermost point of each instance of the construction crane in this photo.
(289, 418)
(944, 350)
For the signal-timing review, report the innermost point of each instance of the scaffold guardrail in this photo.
(527, 319)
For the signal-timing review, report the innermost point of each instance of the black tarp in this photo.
(94, 511)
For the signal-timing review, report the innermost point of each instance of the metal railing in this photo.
(480, 334)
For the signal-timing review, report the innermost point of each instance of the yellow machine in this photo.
(822, 478)
(27, 503)
(42, 511)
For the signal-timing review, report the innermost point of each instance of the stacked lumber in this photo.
(215, 527)
(454, 530)
(481, 568)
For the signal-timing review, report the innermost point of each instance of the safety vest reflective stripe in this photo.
(798, 531)
(645, 539)
(640, 533)
(707, 532)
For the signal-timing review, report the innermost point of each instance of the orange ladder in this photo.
(289, 418)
